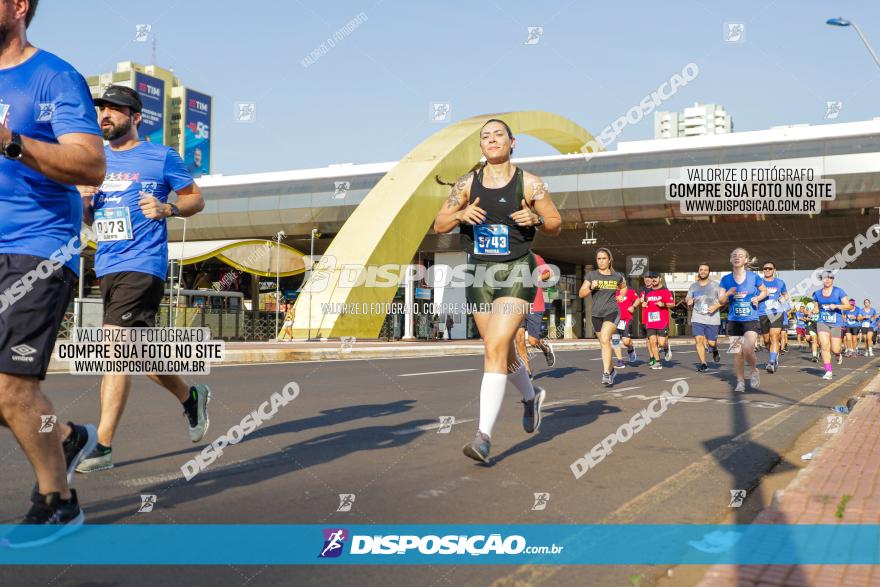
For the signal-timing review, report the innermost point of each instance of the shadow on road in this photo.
(329, 417)
(557, 421)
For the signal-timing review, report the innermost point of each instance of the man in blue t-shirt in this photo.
(771, 313)
(129, 213)
(49, 140)
(867, 317)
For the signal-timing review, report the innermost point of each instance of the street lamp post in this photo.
(842, 22)
(277, 280)
(315, 234)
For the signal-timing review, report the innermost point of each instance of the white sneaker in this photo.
(840, 358)
(740, 386)
(755, 380)
(828, 376)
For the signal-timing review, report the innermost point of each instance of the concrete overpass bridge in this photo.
(622, 190)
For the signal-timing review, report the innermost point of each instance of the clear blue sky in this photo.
(367, 100)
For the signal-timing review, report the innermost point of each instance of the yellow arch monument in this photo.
(390, 223)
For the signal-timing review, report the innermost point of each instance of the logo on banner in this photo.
(334, 541)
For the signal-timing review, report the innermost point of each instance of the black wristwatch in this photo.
(540, 221)
(12, 149)
(175, 211)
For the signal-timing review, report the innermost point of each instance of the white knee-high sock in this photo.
(520, 380)
(491, 397)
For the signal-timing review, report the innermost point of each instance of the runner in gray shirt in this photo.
(604, 284)
(703, 297)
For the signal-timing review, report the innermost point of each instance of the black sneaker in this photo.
(196, 412)
(549, 355)
(81, 441)
(532, 411)
(63, 516)
(479, 448)
(716, 356)
(702, 368)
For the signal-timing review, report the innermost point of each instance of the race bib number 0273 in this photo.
(113, 224)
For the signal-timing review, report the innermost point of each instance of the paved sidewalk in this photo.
(848, 464)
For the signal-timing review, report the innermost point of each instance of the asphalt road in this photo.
(371, 428)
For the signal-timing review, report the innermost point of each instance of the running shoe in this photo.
(606, 379)
(740, 387)
(620, 364)
(81, 442)
(815, 358)
(755, 380)
(549, 354)
(652, 362)
(702, 368)
(64, 515)
(839, 359)
(611, 376)
(196, 412)
(478, 449)
(632, 356)
(100, 459)
(870, 352)
(657, 366)
(771, 368)
(716, 356)
(532, 411)
(668, 354)
(828, 376)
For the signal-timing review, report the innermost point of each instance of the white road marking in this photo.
(674, 380)
(622, 389)
(435, 372)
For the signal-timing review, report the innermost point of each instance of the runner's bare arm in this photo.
(190, 200)
(760, 297)
(456, 208)
(78, 158)
(586, 288)
(87, 193)
(538, 198)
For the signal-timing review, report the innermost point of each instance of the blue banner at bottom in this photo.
(443, 544)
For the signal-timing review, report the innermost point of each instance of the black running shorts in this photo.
(768, 322)
(740, 328)
(508, 279)
(34, 295)
(131, 299)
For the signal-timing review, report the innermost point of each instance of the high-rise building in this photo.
(173, 114)
(697, 120)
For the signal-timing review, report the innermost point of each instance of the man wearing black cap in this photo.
(129, 212)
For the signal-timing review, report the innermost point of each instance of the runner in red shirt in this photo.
(627, 305)
(655, 302)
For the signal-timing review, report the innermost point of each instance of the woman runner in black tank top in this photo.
(500, 208)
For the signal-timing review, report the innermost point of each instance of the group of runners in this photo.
(55, 174)
(500, 208)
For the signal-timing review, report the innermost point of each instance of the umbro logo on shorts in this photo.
(126, 316)
(23, 353)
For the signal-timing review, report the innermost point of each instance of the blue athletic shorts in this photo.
(710, 331)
